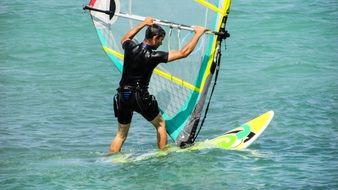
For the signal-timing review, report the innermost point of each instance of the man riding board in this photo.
(139, 62)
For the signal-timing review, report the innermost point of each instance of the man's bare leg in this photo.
(121, 136)
(159, 124)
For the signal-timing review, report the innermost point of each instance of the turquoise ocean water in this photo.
(56, 118)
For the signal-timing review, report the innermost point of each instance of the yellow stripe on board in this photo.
(222, 10)
(158, 72)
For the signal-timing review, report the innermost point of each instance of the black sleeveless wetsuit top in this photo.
(139, 62)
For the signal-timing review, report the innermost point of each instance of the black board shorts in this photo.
(129, 99)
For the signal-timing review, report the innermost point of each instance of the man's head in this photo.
(154, 36)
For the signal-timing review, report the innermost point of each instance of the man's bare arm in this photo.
(131, 34)
(189, 47)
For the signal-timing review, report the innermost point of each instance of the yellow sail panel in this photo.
(113, 52)
(220, 10)
(176, 80)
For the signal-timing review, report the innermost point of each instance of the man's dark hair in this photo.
(154, 30)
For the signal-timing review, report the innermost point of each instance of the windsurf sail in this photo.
(181, 88)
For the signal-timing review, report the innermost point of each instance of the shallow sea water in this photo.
(56, 87)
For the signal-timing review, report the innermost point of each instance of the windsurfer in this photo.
(139, 62)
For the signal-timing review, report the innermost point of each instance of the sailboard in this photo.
(181, 88)
(238, 138)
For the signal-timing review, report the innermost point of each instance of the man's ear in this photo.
(157, 37)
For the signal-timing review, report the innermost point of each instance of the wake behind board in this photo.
(235, 139)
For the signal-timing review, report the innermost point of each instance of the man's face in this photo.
(157, 41)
